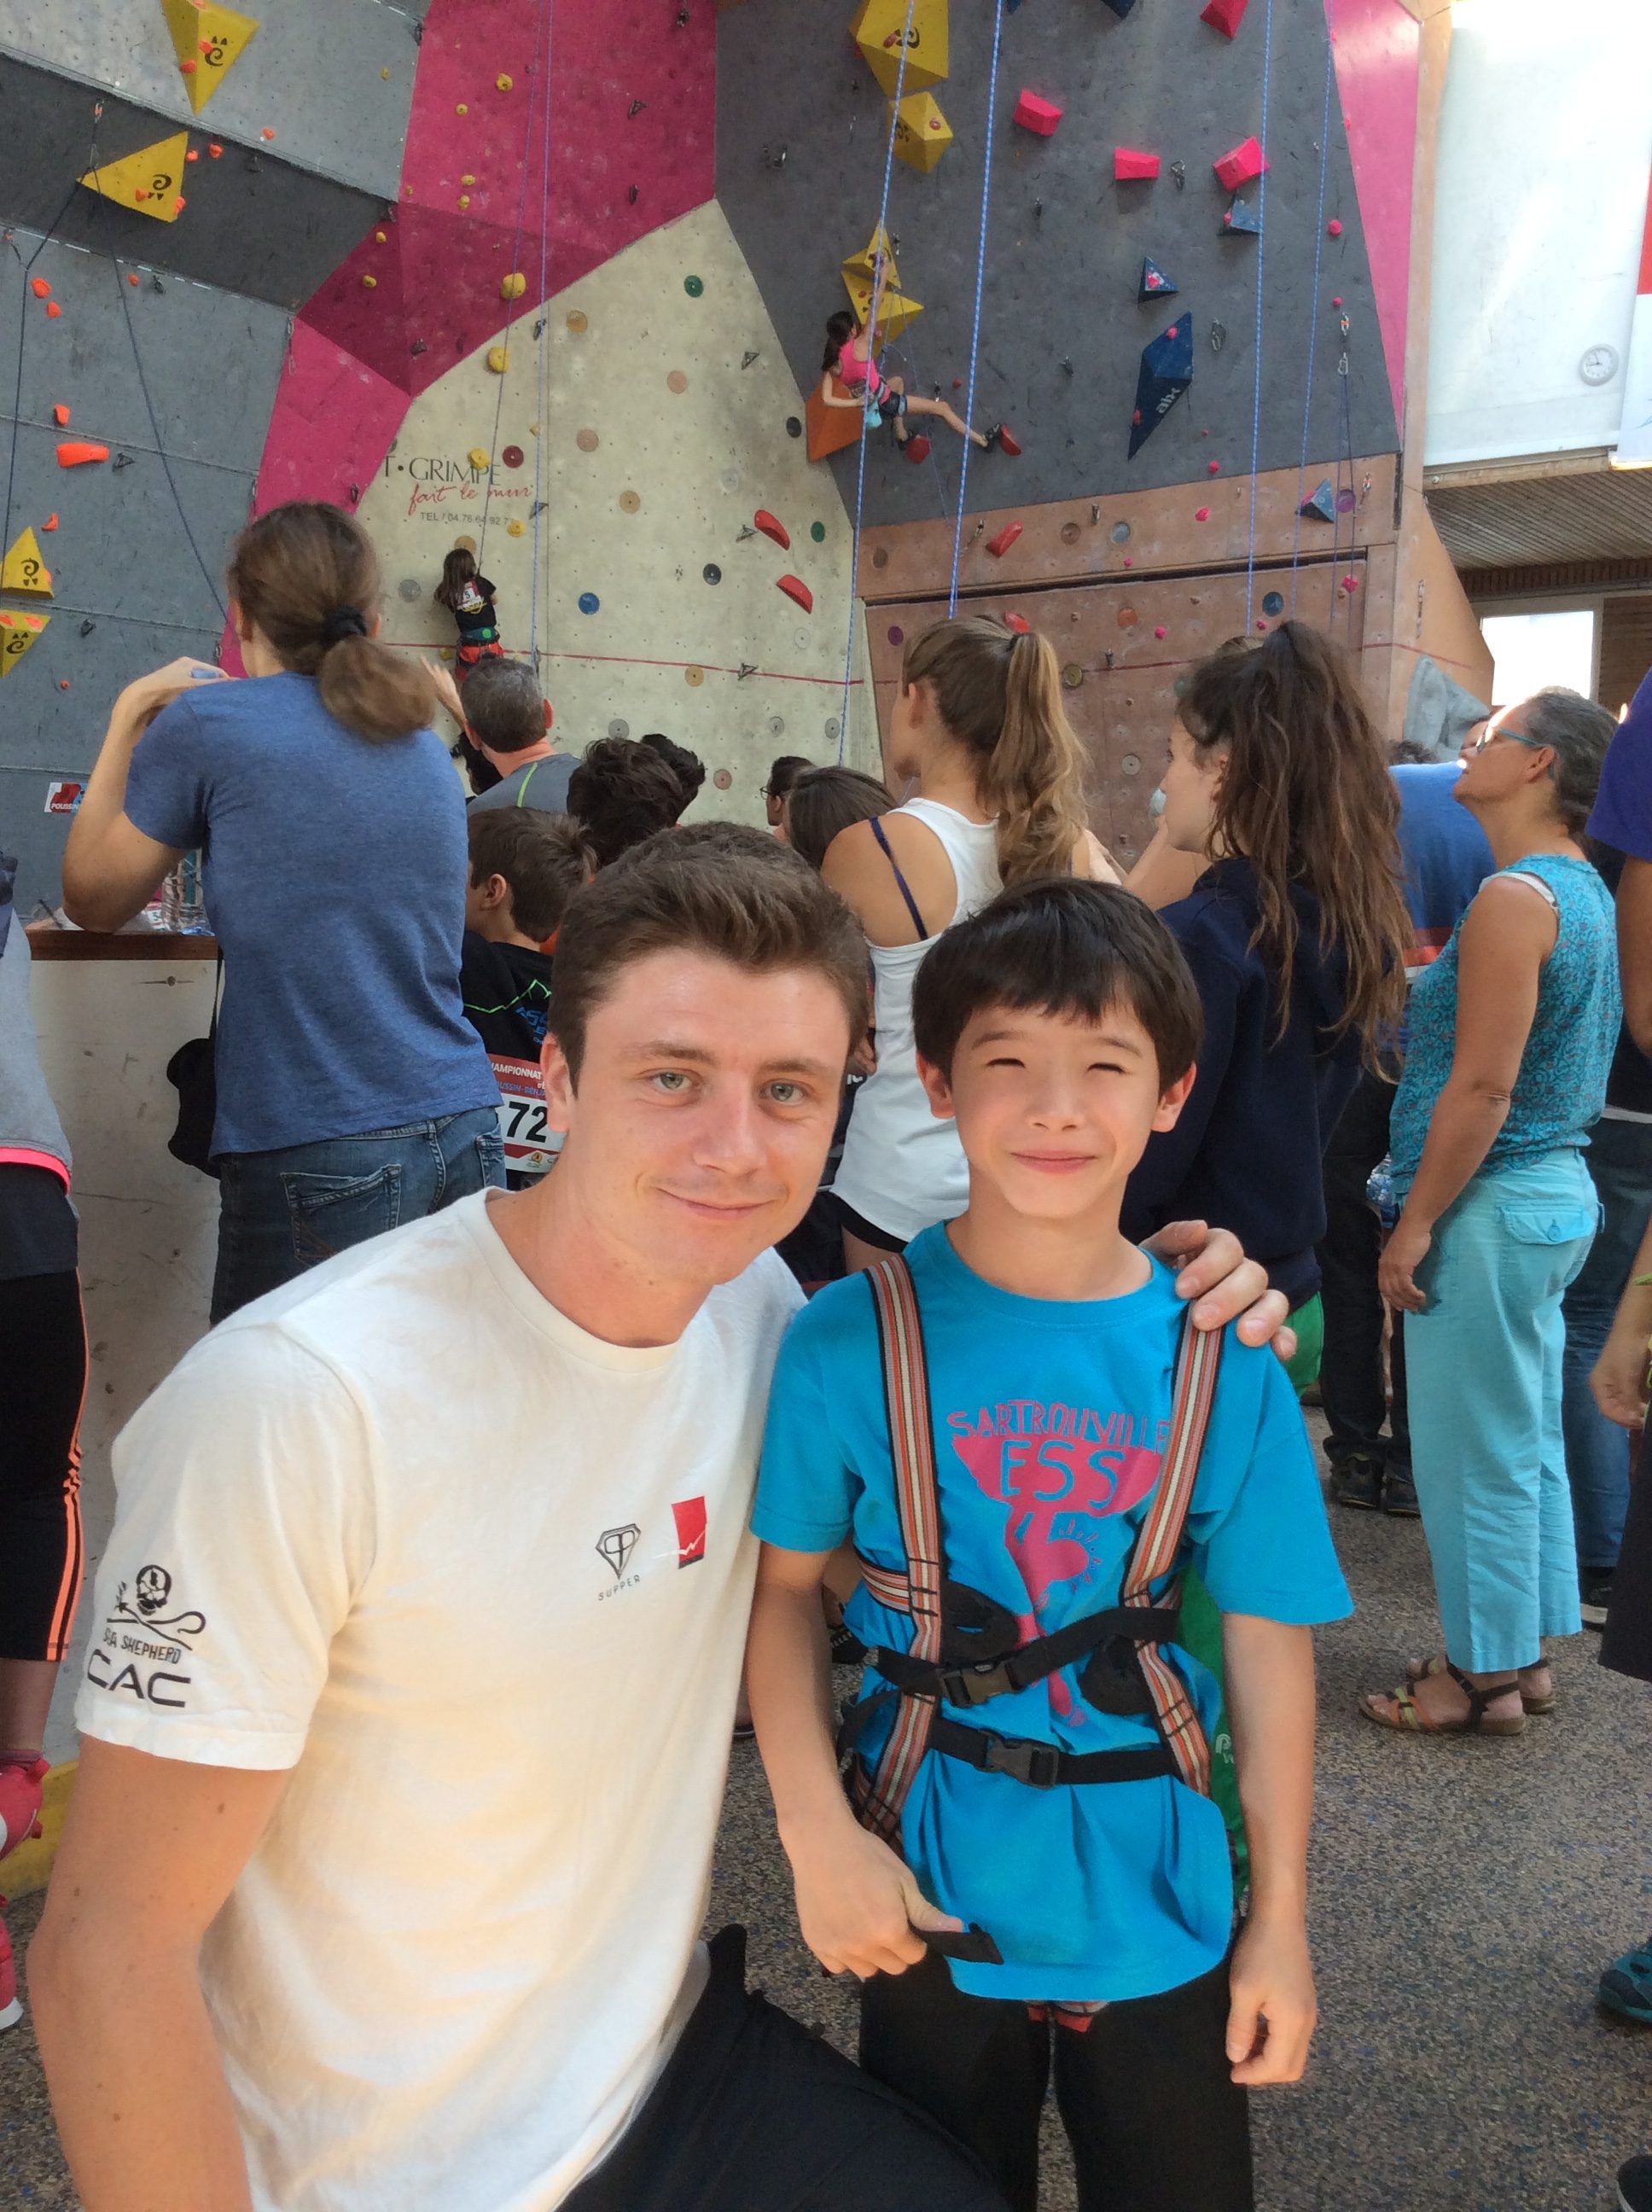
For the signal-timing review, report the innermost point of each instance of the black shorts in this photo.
(755, 2114)
(856, 1224)
(1626, 1640)
(891, 404)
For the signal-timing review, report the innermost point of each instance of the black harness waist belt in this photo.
(976, 1682)
(1044, 1766)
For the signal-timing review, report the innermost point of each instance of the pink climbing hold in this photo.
(1129, 164)
(1241, 165)
(1018, 623)
(999, 546)
(795, 589)
(1033, 113)
(1333, 228)
(771, 527)
(1225, 15)
(1337, 303)
(1161, 631)
(1350, 583)
(1202, 515)
(1214, 468)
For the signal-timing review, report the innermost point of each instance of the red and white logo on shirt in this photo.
(689, 1514)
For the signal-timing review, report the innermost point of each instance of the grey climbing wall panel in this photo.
(1061, 281)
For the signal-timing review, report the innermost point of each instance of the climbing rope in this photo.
(1314, 310)
(22, 328)
(123, 288)
(542, 384)
(865, 389)
(537, 78)
(981, 282)
(1262, 240)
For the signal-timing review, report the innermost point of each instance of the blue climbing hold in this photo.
(1167, 370)
(589, 603)
(1242, 219)
(1322, 507)
(1121, 8)
(1273, 603)
(1153, 283)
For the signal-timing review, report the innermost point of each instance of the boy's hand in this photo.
(1408, 1247)
(1215, 1272)
(1620, 1379)
(859, 1906)
(1273, 2008)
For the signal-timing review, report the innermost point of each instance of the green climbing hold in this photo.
(693, 286)
(817, 531)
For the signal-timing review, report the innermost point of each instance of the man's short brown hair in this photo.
(719, 888)
(542, 857)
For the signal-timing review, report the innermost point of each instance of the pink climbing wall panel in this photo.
(1378, 58)
(547, 166)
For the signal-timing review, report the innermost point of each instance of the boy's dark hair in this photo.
(622, 792)
(1062, 947)
(504, 705)
(783, 773)
(542, 857)
(719, 888)
(688, 767)
(824, 800)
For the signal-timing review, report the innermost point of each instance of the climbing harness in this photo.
(967, 1649)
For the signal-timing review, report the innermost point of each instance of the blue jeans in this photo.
(1483, 1363)
(287, 1211)
(1619, 1158)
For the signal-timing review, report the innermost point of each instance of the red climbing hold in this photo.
(187, 69)
(1018, 623)
(1203, 515)
(192, 155)
(771, 527)
(132, 279)
(74, 455)
(216, 152)
(1129, 164)
(1336, 303)
(1225, 15)
(60, 417)
(53, 310)
(1161, 631)
(50, 523)
(999, 546)
(1333, 228)
(1350, 583)
(40, 288)
(266, 132)
(1214, 468)
(1239, 165)
(917, 448)
(1033, 113)
(1007, 441)
(795, 589)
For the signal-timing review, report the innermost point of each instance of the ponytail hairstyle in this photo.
(1307, 798)
(306, 574)
(840, 329)
(997, 692)
(458, 570)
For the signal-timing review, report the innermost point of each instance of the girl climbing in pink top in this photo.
(849, 359)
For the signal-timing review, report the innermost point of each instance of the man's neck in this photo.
(603, 1287)
(1085, 1257)
(508, 763)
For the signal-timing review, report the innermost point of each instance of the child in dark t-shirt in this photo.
(468, 596)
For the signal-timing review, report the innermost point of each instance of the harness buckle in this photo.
(978, 1685)
(1037, 1764)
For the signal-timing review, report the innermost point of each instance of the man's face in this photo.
(706, 1105)
(1054, 1112)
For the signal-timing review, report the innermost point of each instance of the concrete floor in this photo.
(1465, 1896)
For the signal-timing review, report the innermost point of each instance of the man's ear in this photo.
(939, 1087)
(559, 1084)
(1172, 1101)
(239, 622)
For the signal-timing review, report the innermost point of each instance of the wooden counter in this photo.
(46, 942)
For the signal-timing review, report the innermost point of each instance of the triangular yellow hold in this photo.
(865, 263)
(150, 181)
(922, 133)
(24, 569)
(880, 29)
(17, 633)
(208, 41)
(898, 310)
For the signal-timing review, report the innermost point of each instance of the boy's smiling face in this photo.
(1054, 1110)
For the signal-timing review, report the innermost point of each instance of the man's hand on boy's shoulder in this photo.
(860, 1907)
(1224, 1284)
(1273, 2009)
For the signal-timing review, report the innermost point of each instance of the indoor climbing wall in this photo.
(693, 570)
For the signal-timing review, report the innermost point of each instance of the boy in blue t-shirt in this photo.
(1054, 1881)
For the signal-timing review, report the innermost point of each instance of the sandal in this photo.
(1409, 1715)
(1419, 1670)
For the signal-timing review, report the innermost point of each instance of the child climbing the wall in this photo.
(468, 596)
(849, 360)
(1028, 1447)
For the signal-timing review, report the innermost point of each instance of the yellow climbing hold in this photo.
(467, 180)
(208, 41)
(516, 527)
(465, 199)
(880, 29)
(514, 286)
(369, 283)
(146, 181)
(499, 359)
(503, 82)
(858, 278)
(17, 633)
(385, 73)
(461, 109)
(479, 459)
(25, 570)
(922, 133)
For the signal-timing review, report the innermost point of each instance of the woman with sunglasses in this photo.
(1511, 1034)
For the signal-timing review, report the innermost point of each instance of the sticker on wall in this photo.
(63, 797)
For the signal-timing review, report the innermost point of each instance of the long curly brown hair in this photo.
(1307, 798)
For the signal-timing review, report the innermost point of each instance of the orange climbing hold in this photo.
(50, 522)
(40, 288)
(1018, 623)
(73, 454)
(216, 152)
(772, 526)
(999, 546)
(60, 417)
(795, 589)
(53, 310)
(830, 429)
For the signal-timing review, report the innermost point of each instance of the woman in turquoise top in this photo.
(1511, 1034)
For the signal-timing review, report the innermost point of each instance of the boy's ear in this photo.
(559, 1084)
(939, 1087)
(1172, 1101)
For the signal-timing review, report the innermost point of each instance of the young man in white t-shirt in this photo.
(417, 1644)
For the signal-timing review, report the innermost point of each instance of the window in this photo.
(1531, 651)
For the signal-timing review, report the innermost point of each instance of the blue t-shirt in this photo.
(334, 873)
(1049, 1422)
(1446, 856)
(1623, 805)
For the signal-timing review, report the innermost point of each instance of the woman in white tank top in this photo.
(978, 732)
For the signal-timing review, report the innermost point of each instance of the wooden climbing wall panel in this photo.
(1120, 674)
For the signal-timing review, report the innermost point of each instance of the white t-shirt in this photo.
(482, 1582)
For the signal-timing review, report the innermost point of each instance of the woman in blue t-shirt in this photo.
(1511, 1033)
(352, 1093)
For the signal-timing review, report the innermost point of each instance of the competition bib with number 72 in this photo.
(530, 1147)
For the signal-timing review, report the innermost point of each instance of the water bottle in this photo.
(1379, 1191)
(181, 908)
